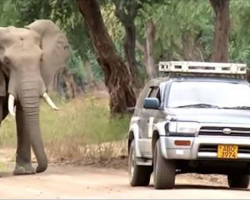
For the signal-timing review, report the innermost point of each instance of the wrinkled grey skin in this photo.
(29, 58)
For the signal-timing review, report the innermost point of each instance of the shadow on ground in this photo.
(203, 187)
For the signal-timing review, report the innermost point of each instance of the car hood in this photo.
(211, 115)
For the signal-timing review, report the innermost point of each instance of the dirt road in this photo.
(86, 182)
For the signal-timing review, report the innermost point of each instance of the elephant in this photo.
(29, 59)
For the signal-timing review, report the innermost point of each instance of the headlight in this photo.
(183, 127)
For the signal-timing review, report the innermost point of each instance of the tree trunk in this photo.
(126, 12)
(221, 32)
(151, 67)
(71, 86)
(90, 78)
(147, 50)
(248, 75)
(193, 49)
(187, 42)
(117, 76)
(129, 48)
(199, 49)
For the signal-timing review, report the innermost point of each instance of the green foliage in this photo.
(239, 48)
(97, 72)
(172, 19)
(66, 15)
(28, 11)
(112, 24)
(9, 15)
(76, 65)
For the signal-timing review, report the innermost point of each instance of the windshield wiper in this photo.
(238, 107)
(198, 105)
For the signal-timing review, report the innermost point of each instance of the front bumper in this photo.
(193, 152)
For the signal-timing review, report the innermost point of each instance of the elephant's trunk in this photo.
(30, 99)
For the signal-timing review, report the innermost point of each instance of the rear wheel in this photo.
(138, 175)
(238, 181)
(164, 170)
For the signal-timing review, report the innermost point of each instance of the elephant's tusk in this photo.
(11, 102)
(49, 101)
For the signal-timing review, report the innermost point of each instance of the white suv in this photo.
(197, 119)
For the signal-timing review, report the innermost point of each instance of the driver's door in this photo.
(148, 120)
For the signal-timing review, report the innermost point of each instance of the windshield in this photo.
(205, 94)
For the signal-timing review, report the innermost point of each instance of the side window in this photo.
(155, 92)
(148, 92)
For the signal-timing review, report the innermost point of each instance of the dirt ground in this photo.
(91, 182)
(87, 182)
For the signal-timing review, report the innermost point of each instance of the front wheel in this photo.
(238, 181)
(164, 170)
(138, 175)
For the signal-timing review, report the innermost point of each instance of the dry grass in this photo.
(80, 132)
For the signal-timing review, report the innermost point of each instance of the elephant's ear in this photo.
(54, 45)
(3, 85)
(3, 80)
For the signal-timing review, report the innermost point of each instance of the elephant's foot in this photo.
(24, 169)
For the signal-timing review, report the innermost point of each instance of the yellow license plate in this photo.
(227, 151)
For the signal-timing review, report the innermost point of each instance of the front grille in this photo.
(213, 148)
(218, 131)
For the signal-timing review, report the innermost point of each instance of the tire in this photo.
(238, 181)
(164, 170)
(138, 175)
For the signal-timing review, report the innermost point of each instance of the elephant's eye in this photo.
(6, 61)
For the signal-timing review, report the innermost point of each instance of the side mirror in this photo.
(151, 103)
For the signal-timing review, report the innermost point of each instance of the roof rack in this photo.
(202, 67)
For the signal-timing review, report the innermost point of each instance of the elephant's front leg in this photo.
(23, 153)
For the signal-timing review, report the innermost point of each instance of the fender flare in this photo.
(134, 131)
(160, 130)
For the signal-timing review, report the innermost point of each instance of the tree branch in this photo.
(119, 11)
(126, 10)
(217, 5)
(140, 46)
(133, 8)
